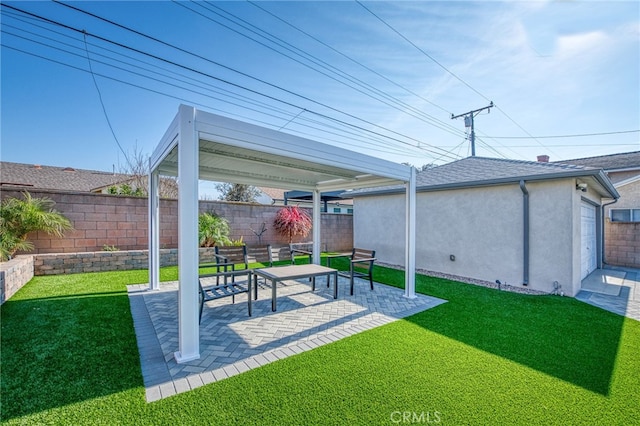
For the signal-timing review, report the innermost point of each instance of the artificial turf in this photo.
(69, 356)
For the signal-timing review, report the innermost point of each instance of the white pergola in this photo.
(201, 145)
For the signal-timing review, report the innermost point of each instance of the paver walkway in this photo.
(231, 342)
(614, 289)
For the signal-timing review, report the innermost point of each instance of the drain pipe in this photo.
(525, 239)
(602, 219)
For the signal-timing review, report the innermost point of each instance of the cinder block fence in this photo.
(101, 220)
(120, 222)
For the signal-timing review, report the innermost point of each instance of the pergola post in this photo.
(410, 237)
(154, 230)
(188, 255)
(317, 219)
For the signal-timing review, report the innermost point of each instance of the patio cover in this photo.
(201, 145)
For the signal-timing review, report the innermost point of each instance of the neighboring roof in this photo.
(32, 176)
(273, 193)
(482, 171)
(622, 161)
(279, 195)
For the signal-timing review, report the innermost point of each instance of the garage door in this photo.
(589, 253)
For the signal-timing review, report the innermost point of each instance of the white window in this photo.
(624, 215)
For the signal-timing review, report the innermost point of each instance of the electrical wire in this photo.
(332, 119)
(235, 71)
(579, 135)
(348, 57)
(364, 88)
(104, 109)
(452, 74)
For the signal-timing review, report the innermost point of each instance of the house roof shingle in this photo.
(483, 171)
(30, 176)
(624, 160)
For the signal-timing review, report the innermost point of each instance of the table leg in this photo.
(273, 295)
(335, 284)
(313, 283)
(255, 286)
(249, 293)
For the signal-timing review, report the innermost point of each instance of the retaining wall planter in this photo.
(14, 274)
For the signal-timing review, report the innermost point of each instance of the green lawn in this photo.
(69, 356)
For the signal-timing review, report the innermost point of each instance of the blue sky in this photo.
(377, 77)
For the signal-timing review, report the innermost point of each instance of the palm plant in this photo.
(212, 230)
(291, 221)
(19, 217)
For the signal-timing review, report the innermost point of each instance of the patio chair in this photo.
(360, 265)
(261, 254)
(305, 249)
(228, 259)
(218, 291)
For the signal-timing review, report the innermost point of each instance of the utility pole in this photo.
(468, 122)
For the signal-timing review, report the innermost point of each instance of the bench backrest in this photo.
(235, 255)
(260, 254)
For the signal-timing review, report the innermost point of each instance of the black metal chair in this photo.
(360, 265)
(218, 291)
(305, 249)
(260, 254)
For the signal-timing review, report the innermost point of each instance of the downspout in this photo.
(602, 219)
(525, 239)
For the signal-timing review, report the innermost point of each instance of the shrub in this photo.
(212, 230)
(20, 217)
(292, 221)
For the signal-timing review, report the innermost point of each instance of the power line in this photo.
(580, 135)
(353, 135)
(362, 86)
(104, 109)
(235, 71)
(451, 73)
(421, 50)
(348, 57)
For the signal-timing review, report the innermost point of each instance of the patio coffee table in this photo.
(294, 272)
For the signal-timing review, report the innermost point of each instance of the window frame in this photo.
(634, 215)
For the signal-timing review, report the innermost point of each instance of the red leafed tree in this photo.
(292, 221)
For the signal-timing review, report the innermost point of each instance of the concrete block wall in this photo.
(109, 220)
(101, 261)
(622, 243)
(14, 274)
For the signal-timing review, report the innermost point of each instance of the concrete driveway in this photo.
(614, 289)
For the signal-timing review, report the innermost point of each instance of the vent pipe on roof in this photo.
(525, 238)
(543, 158)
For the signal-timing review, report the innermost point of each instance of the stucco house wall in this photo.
(482, 227)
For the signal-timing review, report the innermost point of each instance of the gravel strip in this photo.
(467, 280)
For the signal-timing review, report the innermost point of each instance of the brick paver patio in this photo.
(231, 342)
